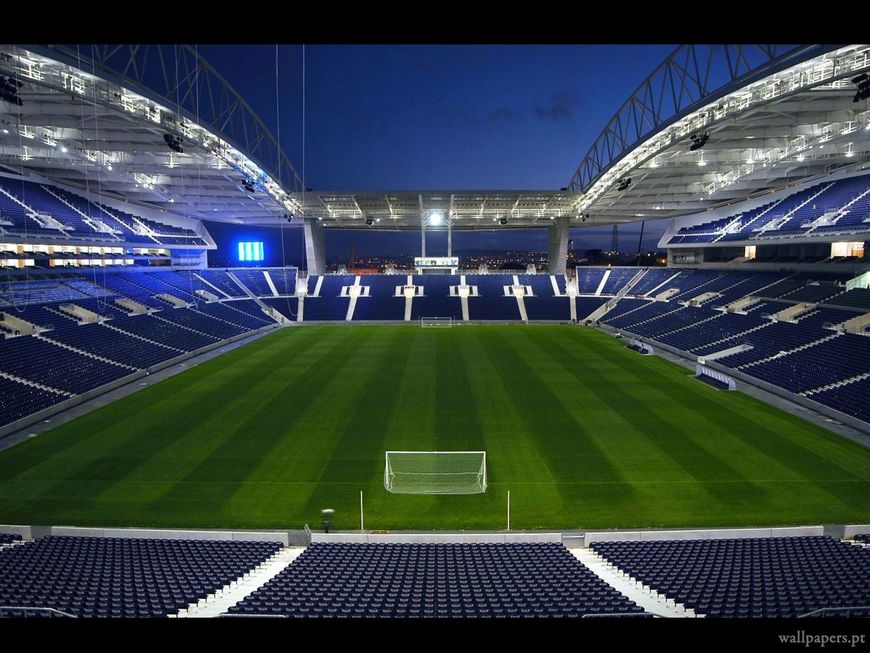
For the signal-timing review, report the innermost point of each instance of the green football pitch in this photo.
(583, 432)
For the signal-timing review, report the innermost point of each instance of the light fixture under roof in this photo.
(436, 218)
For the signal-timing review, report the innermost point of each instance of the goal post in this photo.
(436, 322)
(435, 472)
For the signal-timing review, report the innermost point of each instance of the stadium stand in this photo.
(255, 281)
(540, 283)
(588, 280)
(51, 365)
(843, 203)
(19, 399)
(588, 305)
(806, 355)
(436, 580)
(163, 332)
(548, 308)
(381, 306)
(765, 577)
(617, 279)
(202, 323)
(112, 577)
(36, 209)
(329, 305)
(436, 300)
(858, 298)
(653, 278)
(802, 354)
(849, 398)
(220, 280)
(287, 307)
(100, 340)
(491, 302)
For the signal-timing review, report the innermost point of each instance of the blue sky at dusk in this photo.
(440, 117)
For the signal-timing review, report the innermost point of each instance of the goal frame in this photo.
(387, 480)
(438, 322)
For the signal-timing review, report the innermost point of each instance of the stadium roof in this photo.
(108, 131)
(676, 147)
(101, 118)
(469, 209)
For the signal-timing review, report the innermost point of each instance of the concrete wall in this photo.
(707, 534)
(856, 529)
(23, 531)
(571, 539)
(436, 538)
(161, 534)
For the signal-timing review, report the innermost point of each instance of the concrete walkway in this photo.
(645, 597)
(218, 603)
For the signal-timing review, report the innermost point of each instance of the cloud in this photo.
(569, 98)
(503, 114)
(557, 112)
(560, 106)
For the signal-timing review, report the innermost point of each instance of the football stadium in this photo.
(198, 420)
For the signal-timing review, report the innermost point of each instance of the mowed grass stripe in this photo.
(764, 447)
(110, 447)
(513, 457)
(717, 484)
(207, 488)
(777, 441)
(584, 433)
(670, 431)
(356, 461)
(411, 428)
(562, 439)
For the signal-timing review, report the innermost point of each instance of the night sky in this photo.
(440, 117)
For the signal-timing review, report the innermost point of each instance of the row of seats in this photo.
(744, 577)
(115, 577)
(436, 580)
(71, 358)
(108, 225)
(752, 577)
(9, 538)
(845, 201)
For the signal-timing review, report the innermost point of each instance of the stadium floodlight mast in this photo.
(435, 472)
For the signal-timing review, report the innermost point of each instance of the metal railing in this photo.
(619, 615)
(823, 611)
(52, 612)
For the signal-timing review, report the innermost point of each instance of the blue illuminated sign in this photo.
(251, 251)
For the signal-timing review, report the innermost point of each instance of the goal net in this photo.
(436, 321)
(435, 472)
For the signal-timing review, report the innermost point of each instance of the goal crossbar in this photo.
(436, 321)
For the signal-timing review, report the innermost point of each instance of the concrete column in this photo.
(315, 246)
(423, 237)
(558, 254)
(449, 236)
